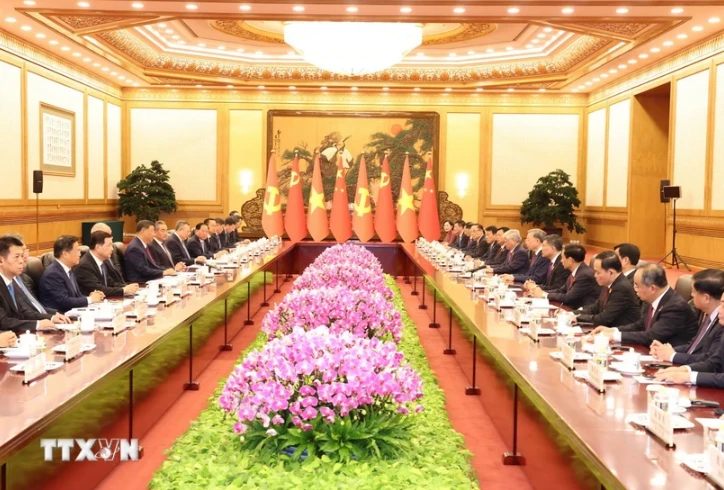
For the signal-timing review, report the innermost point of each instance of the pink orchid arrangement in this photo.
(364, 313)
(313, 376)
(351, 276)
(345, 254)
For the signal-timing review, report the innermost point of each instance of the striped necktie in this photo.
(36, 304)
(703, 328)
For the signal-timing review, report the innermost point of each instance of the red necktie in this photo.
(150, 257)
(649, 317)
(604, 296)
(532, 261)
(703, 327)
(550, 270)
(571, 280)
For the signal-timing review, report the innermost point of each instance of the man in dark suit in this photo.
(665, 316)
(16, 313)
(580, 288)
(708, 373)
(115, 259)
(237, 221)
(629, 254)
(617, 305)
(227, 236)
(26, 286)
(538, 268)
(516, 261)
(58, 287)
(94, 272)
(159, 251)
(176, 244)
(706, 292)
(497, 252)
(463, 239)
(197, 244)
(556, 274)
(477, 246)
(140, 266)
(214, 240)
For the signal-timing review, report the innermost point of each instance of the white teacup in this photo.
(87, 321)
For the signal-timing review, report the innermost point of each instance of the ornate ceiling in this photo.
(467, 45)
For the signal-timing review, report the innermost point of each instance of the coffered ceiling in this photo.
(575, 46)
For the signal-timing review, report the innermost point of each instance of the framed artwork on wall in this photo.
(57, 141)
(353, 134)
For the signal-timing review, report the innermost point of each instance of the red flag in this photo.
(385, 211)
(317, 213)
(362, 218)
(339, 220)
(429, 219)
(271, 218)
(294, 221)
(406, 217)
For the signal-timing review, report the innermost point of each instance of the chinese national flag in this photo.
(317, 213)
(429, 219)
(362, 218)
(294, 221)
(271, 218)
(406, 217)
(339, 220)
(385, 211)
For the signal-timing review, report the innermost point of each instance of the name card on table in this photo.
(140, 310)
(661, 424)
(568, 356)
(119, 323)
(73, 346)
(534, 326)
(716, 465)
(596, 374)
(34, 368)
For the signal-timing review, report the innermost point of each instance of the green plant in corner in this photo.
(552, 202)
(146, 193)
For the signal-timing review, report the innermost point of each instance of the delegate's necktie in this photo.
(203, 249)
(36, 304)
(11, 290)
(550, 271)
(167, 252)
(604, 296)
(532, 261)
(649, 317)
(74, 285)
(703, 328)
(183, 246)
(103, 273)
(571, 280)
(150, 257)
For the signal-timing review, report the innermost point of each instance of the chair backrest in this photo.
(683, 286)
(120, 247)
(47, 259)
(84, 250)
(34, 269)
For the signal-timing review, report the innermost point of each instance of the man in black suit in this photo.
(556, 275)
(140, 265)
(538, 268)
(197, 244)
(477, 246)
(159, 251)
(16, 314)
(629, 254)
(464, 231)
(617, 305)
(237, 221)
(115, 259)
(497, 252)
(26, 286)
(665, 316)
(176, 244)
(94, 272)
(580, 288)
(214, 240)
(227, 236)
(516, 261)
(706, 292)
(58, 287)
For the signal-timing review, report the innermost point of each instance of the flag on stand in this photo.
(294, 221)
(317, 213)
(339, 221)
(385, 211)
(362, 219)
(429, 219)
(406, 217)
(271, 218)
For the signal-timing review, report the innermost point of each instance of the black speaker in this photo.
(664, 183)
(37, 181)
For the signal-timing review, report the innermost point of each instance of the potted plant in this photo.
(146, 193)
(551, 204)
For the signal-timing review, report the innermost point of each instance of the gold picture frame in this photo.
(57, 141)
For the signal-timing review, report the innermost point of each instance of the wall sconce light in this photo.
(245, 178)
(461, 183)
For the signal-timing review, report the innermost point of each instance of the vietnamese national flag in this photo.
(294, 221)
(271, 218)
(429, 219)
(317, 212)
(339, 220)
(362, 222)
(406, 217)
(385, 210)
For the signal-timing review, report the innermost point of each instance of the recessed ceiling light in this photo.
(613, 70)
(697, 28)
(298, 8)
(240, 50)
(385, 89)
(221, 47)
(471, 53)
(681, 36)
(420, 54)
(513, 10)
(83, 4)
(292, 87)
(26, 28)
(541, 36)
(589, 83)
(76, 54)
(201, 45)
(137, 5)
(511, 90)
(260, 86)
(180, 42)
(567, 10)
(11, 20)
(259, 53)
(29, 2)
(65, 48)
(53, 42)
(86, 60)
(452, 55)
(535, 41)
(541, 90)
(121, 77)
(581, 87)
(490, 50)
(162, 26)
(353, 89)
(405, 10)
(199, 86)
(40, 35)
(176, 37)
(509, 48)
(136, 85)
(96, 65)
(459, 10)
(596, 80)
(229, 86)
(448, 89)
(713, 20)
(655, 50)
(114, 73)
(168, 31)
(416, 89)
(603, 75)
(632, 62)
(575, 90)
(677, 10)
(622, 10)
(643, 56)
(105, 68)
(622, 67)
(244, 7)
(478, 89)
(548, 29)
(529, 46)
(668, 43)
(322, 88)
(352, 10)
(191, 6)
